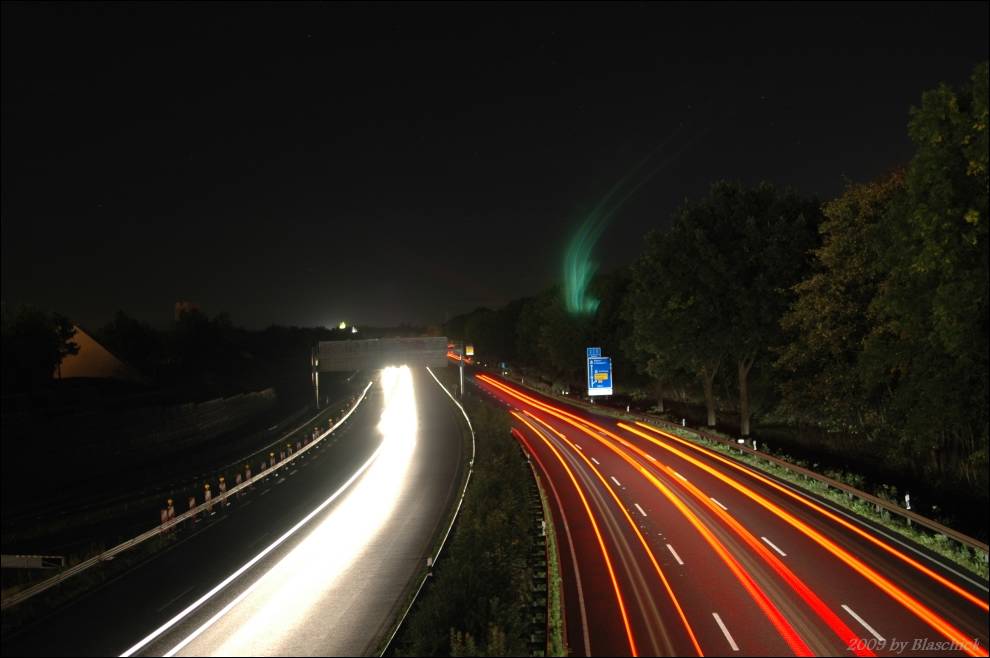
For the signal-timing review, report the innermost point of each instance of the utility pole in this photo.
(314, 361)
(462, 369)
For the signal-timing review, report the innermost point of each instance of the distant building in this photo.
(94, 361)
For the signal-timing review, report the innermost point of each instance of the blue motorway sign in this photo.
(593, 351)
(599, 375)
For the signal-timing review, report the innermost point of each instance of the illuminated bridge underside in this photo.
(377, 353)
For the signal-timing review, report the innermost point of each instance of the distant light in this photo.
(353, 330)
(342, 325)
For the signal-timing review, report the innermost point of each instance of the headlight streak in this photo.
(830, 515)
(914, 606)
(385, 467)
(297, 582)
(229, 579)
(632, 523)
(769, 609)
(601, 543)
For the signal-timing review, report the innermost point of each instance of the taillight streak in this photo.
(601, 544)
(632, 524)
(784, 628)
(849, 638)
(914, 606)
(911, 604)
(975, 600)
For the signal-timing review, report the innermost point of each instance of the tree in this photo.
(562, 339)
(611, 328)
(675, 315)
(716, 284)
(137, 343)
(758, 243)
(890, 331)
(527, 331)
(550, 339)
(928, 344)
(34, 344)
(64, 330)
(828, 321)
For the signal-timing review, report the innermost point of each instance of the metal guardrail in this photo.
(887, 505)
(120, 502)
(544, 505)
(48, 583)
(893, 508)
(453, 520)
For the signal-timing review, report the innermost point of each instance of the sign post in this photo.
(314, 360)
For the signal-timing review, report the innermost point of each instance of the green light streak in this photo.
(579, 269)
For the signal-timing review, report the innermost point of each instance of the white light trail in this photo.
(283, 599)
(282, 596)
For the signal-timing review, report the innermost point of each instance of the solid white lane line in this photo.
(250, 563)
(597, 463)
(725, 632)
(676, 556)
(774, 546)
(640, 509)
(617, 483)
(863, 622)
(680, 476)
(720, 505)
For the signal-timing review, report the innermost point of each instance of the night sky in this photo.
(303, 164)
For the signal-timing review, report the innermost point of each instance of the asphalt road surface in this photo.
(366, 508)
(670, 549)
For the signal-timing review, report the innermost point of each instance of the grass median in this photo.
(480, 599)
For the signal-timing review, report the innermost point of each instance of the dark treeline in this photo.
(864, 317)
(197, 357)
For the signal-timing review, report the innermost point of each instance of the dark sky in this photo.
(302, 164)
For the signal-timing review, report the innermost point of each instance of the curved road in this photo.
(334, 587)
(671, 549)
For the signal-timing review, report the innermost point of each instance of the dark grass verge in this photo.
(480, 599)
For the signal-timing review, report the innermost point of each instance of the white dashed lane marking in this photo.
(773, 546)
(725, 632)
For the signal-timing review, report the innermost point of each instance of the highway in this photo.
(315, 561)
(667, 548)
